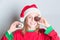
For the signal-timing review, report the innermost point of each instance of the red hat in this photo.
(27, 10)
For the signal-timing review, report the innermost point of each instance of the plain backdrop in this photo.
(10, 10)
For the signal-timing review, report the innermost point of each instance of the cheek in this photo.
(28, 21)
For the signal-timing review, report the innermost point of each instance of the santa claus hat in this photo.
(27, 10)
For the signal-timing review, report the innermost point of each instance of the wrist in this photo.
(47, 25)
(9, 31)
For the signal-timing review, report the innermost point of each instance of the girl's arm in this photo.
(9, 34)
(52, 33)
(49, 31)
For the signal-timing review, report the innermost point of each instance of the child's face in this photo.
(30, 20)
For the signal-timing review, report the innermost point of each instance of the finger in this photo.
(16, 23)
(18, 28)
(40, 23)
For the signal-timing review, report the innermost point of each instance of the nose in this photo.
(33, 19)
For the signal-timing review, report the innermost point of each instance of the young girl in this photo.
(31, 17)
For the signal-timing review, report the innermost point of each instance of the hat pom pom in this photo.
(22, 20)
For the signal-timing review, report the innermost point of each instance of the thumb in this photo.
(40, 23)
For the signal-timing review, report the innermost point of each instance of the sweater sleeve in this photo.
(8, 36)
(52, 33)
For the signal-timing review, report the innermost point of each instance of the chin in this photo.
(32, 25)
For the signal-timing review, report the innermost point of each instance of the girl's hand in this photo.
(13, 27)
(44, 22)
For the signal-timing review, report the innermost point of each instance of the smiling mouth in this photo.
(32, 23)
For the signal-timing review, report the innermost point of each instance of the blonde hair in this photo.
(25, 28)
